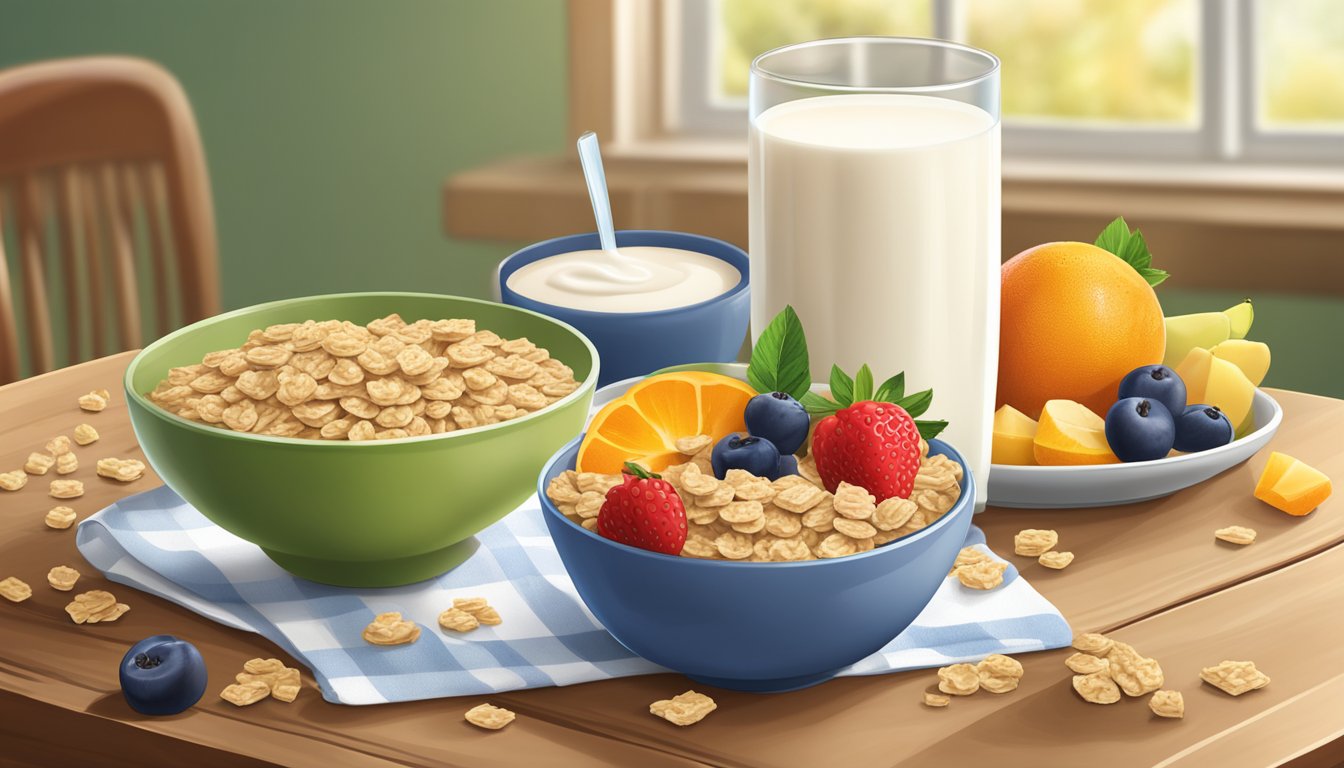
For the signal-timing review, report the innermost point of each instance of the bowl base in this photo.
(774, 685)
(377, 573)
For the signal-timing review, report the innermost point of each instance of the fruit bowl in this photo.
(366, 514)
(738, 625)
(1104, 485)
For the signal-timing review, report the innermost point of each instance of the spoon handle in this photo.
(590, 157)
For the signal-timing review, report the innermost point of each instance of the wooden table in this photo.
(1152, 574)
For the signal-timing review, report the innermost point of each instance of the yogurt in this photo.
(630, 279)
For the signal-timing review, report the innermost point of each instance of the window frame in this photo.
(1227, 72)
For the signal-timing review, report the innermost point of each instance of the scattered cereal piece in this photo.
(981, 575)
(959, 679)
(60, 518)
(93, 402)
(85, 434)
(1086, 664)
(1096, 688)
(1134, 673)
(281, 681)
(458, 620)
(1167, 704)
(121, 470)
(477, 607)
(999, 673)
(971, 556)
(1234, 677)
(66, 463)
(58, 445)
(13, 481)
(692, 444)
(1235, 534)
(1033, 542)
(14, 590)
(1057, 560)
(62, 577)
(245, 694)
(391, 629)
(932, 699)
(1096, 644)
(66, 489)
(38, 463)
(95, 606)
(489, 716)
(684, 709)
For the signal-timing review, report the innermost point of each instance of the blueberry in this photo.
(756, 455)
(162, 675)
(1155, 382)
(788, 465)
(778, 418)
(1139, 429)
(1201, 427)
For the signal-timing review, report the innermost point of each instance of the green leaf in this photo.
(916, 404)
(892, 389)
(863, 384)
(779, 359)
(634, 469)
(818, 405)
(842, 387)
(930, 429)
(1132, 248)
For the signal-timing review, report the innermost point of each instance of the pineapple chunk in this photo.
(1252, 357)
(1070, 434)
(1292, 486)
(1212, 380)
(1014, 432)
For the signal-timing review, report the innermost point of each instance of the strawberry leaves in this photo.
(779, 363)
(779, 360)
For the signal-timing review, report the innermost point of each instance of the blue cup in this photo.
(636, 343)
(736, 625)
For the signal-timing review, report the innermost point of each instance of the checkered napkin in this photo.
(159, 544)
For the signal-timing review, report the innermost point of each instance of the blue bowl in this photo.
(636, 343)
(762, 627)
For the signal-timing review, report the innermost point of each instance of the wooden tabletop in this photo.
(1150, 573)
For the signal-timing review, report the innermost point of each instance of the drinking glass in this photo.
(874, 211)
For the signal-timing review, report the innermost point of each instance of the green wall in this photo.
(330, 125)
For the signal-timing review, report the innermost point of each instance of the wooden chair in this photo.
(103, 192)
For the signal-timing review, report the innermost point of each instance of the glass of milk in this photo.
(874, 210)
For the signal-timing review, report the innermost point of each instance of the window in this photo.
(1186, 80)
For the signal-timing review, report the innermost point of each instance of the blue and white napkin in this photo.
(157, 543)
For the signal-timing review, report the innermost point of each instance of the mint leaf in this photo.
(818, 405)
(779, 358)
(917, 404)
(892, 389)
(863, 384)
(842, 387)
(930, 429)
(1132, 248)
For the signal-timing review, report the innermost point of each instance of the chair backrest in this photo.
(103, 191)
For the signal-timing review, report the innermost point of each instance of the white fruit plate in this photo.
(1104, 485)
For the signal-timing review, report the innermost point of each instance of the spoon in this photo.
(590, 157)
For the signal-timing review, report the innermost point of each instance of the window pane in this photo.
(748, 28)
(1300, 51)
(1098, 60)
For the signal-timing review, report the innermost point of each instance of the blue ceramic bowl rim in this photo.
(743, 282)
(589, 384)
(963, 503)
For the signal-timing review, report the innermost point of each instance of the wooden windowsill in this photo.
(1221, 224)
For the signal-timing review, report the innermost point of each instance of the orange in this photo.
(1070, 434)
(1292, 486)
(643, 424)
(1074, 320)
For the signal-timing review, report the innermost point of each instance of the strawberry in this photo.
(643, 511)
(870, 439)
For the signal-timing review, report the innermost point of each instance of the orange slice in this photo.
(643, 424)
(1070, 434)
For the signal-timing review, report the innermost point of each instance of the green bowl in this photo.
(363, 514)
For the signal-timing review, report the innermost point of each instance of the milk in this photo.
(629, 279)
(877, 217)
